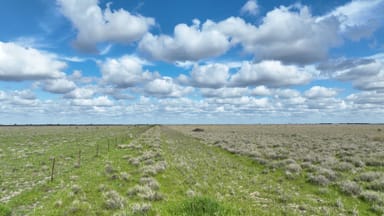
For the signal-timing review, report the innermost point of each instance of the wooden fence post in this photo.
(79, 159)
(53, 169)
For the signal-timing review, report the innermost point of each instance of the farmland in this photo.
(179, 170)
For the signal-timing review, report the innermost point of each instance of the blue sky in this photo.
(203, 61)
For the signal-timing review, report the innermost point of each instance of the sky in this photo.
(187, 62)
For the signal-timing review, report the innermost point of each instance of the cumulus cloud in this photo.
(59, 86)
(367, 99)
(320, 92)
(359, 18)
(83, 92)
(289, 34)
(18, 63)
(189, 43)
(365, 74)
(102, 101)
(19, 98)
(250, 8)
(224, 92)
(243, 101)
(126, 71)
(260, 91)
(95, 25)
(165, 87)
(269, 73)
(209, 76)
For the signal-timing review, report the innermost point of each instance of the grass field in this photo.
(178, 170)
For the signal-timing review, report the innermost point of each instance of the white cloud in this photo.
(286, 93)
(224, 92)
(165, 87)
(20, 98)
(365, 74)
(189, 43)
(250, 8)
(359, 18)
(59, 86)
(209, 76)
(289, 34)
(18, 63)
(95, 25)
(261, 91)
(3, 95)
(242, 101)
(126, 71)
(367, 99)
(320, 92)
(83, 92)
(102, 101)
(270, 74)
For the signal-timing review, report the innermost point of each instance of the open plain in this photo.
(192, 170)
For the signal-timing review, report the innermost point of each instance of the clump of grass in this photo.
(200, 206)
(134, 161)
(5, 211)
(109, 169)
(137, 189)
(75, 188)
(145, 192)
(124, 176)
(150, 195)
(78, 207)
(150, 182)
(113, 200)
(58, 204)
(151, 170)
(140, 208)
(339, 203)
(190, 193)
(102, 188)
(350, 187)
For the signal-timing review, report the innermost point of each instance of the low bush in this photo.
(350, 187)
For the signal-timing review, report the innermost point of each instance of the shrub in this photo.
(293, 167)
(369, 176)
(377, 185)
(318, 180)
(328, 173)
(141, 208)
(124, 176)
(350, 188)
(76, 189)
(343, 166)
(113, 200)
(109, 169)
(198, 130)
(371, 197)
(145, 192)
(150, 182)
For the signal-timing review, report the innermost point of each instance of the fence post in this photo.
(79, 159)
(53, 169)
